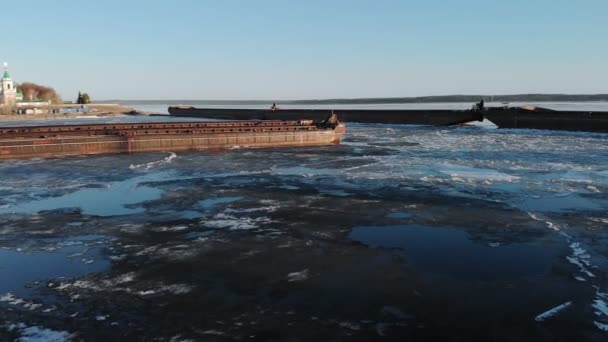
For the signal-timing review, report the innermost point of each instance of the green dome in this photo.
(6, 74)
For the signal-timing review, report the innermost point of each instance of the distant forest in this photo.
(382, 100)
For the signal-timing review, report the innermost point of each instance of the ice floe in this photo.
(549, 224)
(601, 326)
(298, 276)
(468, 174)
(394, 311)
(599, 219)
(581, 259)
(119, 284)
(350, 326)
(40, 334)
(600, 306)
(25, 304)
(227, 221)
(177, 228)
(552, 312)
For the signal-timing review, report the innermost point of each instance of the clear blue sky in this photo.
(263, 49)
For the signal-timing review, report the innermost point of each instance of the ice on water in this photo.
(546, 174)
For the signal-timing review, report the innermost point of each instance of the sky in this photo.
(313, 49)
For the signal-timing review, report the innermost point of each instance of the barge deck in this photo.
(62, 140)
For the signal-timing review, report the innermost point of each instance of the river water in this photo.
(401, 231)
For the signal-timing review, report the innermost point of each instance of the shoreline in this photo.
(95, 110)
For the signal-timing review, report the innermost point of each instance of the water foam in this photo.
(148, 166)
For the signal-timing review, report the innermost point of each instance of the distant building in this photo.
(8, 91)
(12, 98)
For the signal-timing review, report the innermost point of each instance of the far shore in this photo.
(94, 110)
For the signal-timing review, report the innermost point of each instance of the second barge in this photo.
(436, 117)
(544, 118)
(62, 140)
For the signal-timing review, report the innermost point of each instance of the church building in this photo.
(8, 91)
(12, 98)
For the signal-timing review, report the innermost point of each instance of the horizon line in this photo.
(392, 98)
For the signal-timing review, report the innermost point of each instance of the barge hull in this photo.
(412, 117)
(52, 141)
(540, 118)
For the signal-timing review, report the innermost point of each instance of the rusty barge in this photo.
(63, 140)
(435, 117)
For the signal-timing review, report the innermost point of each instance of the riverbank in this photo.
(94, 110)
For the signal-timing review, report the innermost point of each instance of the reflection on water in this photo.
(68, 258)
(565, 202)
(110, 199)
(450, 251)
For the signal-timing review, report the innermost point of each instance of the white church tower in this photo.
(8, 92)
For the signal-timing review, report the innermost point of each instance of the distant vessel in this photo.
(52, 141)
(436, 117)
(543, 118)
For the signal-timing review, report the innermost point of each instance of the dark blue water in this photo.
(451, 251)
(70, 258)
